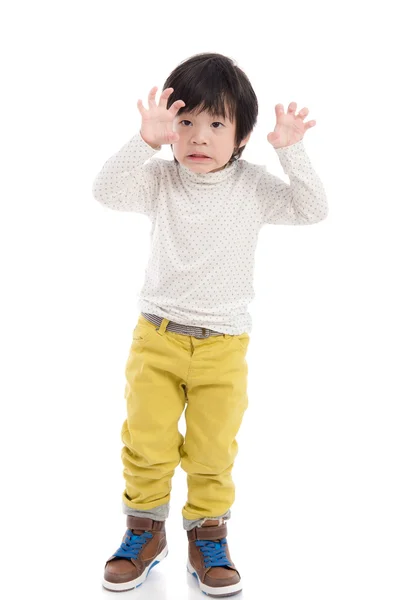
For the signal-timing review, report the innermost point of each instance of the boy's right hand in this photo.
(157, 121)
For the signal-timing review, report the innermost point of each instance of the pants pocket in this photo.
(143, 330)
(243, 340)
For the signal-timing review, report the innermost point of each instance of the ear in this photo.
(245, 140)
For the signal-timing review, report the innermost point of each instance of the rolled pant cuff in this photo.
(158, 513)
(189, 524)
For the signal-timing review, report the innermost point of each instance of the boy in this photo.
(189, 346)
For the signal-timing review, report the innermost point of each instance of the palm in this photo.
(157, 124)
(290, 128)
(157, 120)
(159, 115)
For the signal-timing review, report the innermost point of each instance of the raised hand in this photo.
(156, 128)
(290, 128)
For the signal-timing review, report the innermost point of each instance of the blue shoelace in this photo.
(214, 553)
(133, 544)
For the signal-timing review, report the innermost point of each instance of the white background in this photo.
(317, 506)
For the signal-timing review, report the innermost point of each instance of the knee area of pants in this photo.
(212, 469)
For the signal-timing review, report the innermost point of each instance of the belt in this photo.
(200, 332)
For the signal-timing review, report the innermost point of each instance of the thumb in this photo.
(272, 137)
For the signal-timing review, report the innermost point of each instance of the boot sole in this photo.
(135, 583)
(227, 590)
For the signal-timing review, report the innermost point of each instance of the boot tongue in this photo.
(213, 523)
(137, 531)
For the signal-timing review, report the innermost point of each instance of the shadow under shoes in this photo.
(210, 562)
(143, 546)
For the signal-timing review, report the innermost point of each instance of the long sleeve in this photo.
(129, 181)
(303, 201)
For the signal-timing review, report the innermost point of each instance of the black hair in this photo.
(208, 82)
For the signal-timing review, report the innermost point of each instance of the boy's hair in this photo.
(209, 82)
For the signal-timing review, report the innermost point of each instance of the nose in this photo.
(199, 135)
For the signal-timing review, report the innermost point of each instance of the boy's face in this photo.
(204, 134)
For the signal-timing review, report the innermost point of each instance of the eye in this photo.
(215, 123)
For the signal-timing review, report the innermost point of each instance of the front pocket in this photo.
(243, 340)
(142, 330)
(140, 334)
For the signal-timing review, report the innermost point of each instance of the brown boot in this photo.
(143, 546)
(210, 561)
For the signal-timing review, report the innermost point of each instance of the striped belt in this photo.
(198, 332)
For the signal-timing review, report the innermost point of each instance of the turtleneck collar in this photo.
(206, 178)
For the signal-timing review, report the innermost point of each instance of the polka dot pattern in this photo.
(205, 227)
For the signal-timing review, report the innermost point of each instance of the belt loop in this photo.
(163, 326)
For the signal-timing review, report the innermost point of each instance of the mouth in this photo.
(199, 157)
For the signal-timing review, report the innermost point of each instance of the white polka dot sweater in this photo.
(205, 227)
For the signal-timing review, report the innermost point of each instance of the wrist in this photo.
(149, 144)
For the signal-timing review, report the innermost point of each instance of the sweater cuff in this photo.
(297, 148)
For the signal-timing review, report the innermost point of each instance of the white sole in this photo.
(212, 591)
(134, 583)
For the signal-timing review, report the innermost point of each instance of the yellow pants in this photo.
(166, 372)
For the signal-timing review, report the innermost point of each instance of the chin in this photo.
(202, 167)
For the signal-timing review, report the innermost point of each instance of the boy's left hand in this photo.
(289, 128)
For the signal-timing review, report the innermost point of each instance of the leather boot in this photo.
(143, 546)
(210, 562)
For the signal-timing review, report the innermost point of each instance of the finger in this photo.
(164, 97)
(173, 136)
(279, 110)
(141, 108)
(174, 108)
(310, 124)
(152, 97)
(292, 107)
(302, 113)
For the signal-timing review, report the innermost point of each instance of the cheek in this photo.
(178, 147)
(183, 139)
(228, 147)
